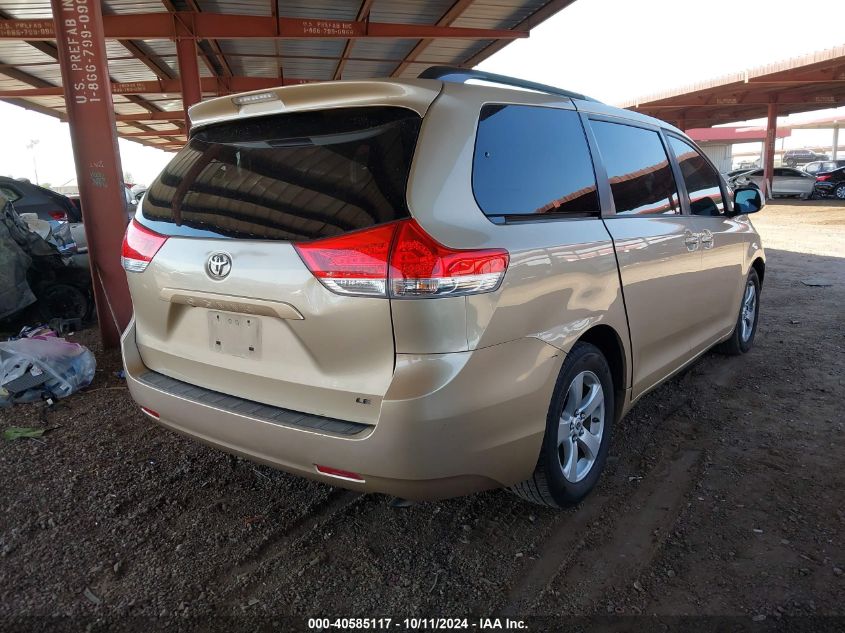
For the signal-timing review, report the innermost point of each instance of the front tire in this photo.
(746, 323)
(578, 431)
(839, 192)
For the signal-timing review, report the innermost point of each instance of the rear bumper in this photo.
(450, 424)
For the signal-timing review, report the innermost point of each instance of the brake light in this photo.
(353, 264)
(58, 216)
(140, 245)
(401, 260)
(421, 267)
(822, 178)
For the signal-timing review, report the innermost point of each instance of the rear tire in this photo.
(839, 192)
(578, 430)
(746, 323)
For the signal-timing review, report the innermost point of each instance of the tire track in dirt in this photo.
(278, 543)
(626, 547)
(632, 544)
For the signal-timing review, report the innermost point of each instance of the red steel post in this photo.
(189, 73)
(82, 56)
(769, 149)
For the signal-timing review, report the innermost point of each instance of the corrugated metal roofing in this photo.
(33, 64)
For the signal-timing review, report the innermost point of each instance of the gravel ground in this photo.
(723, 496)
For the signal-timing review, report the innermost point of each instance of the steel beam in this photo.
(162, 115)
(189, 73)
(445, 20)
(169, 86)
(818, 96)
(769, 147)
(82, 57)
(363, 14)
(150, 26)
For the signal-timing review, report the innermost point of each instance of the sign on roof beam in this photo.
(149, 26)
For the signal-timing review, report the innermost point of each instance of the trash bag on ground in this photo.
(32, 369)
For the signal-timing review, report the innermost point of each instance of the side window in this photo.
(638, 169)
(702, 181)
(532, 161)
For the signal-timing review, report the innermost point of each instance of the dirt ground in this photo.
(723, 496)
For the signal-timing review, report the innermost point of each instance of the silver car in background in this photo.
(786, 181)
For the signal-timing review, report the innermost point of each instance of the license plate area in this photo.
(235, 334)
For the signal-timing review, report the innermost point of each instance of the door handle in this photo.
(706, 239)
(692, 240)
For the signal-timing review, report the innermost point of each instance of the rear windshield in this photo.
(297, 176)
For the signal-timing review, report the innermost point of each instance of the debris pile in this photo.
(40, 365)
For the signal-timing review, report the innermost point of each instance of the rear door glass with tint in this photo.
(532, 162)
(701, 179)
(297, 176)
(638, 169)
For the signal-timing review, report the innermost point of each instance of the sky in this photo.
(589, 47)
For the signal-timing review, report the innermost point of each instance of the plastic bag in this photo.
(67, 367)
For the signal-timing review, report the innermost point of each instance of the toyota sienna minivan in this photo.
(430, 287)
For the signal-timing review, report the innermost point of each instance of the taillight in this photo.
(58, 216)
(140, 245)
(822, 178)
(420, 267)
(401, 260)
(353, 264)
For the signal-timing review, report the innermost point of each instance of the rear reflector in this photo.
(151, 413)
(339, 474)
(140, 245)
(58, 216)
(401, 260)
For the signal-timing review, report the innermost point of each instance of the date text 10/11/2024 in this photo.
(417, 624)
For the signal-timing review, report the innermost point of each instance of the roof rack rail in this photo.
(462, 75)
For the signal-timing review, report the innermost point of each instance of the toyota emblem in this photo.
(219, 265)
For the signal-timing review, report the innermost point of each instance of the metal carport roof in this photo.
(800, 84)
(251, 44)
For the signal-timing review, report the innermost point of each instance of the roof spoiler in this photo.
(462, 75)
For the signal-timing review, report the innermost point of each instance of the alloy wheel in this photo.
(749, 310)
(840, 192)
(581, 426)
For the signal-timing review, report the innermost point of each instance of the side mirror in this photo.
(747, 200)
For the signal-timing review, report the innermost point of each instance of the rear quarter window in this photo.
(297, 176)
(532, 162)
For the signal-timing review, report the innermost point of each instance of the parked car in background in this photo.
(736, 172)
(46, 204)
(138, 192)
(748, 164)
(821, 166)
(793, 157)
(831, 183)
(785, 182)
(339, 288)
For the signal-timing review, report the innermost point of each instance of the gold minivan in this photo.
(430, 287)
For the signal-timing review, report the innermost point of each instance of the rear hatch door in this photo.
(228, 304)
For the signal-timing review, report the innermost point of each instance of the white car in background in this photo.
(786, 181)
